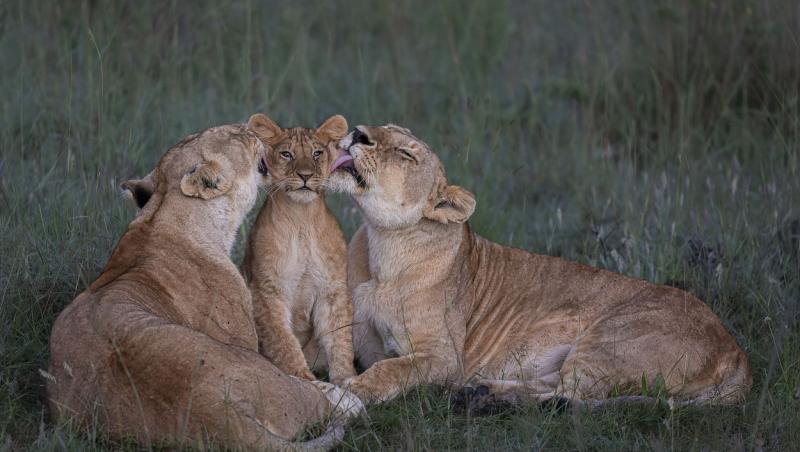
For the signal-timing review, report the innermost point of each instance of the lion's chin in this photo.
(302, 196)
(343, 182)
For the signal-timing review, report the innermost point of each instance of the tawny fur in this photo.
(162, 346)
(436, 303)
(296, 258)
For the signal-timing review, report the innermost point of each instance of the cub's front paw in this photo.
(349, 380)
(302, 374)
(342, 378)
(344, 402)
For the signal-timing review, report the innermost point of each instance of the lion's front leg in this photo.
(388, 378)
(333, 319)
(367, 344)
(277, 341)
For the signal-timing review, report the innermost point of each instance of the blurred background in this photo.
(654, 138)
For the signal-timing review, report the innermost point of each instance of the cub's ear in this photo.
(265, 129)
(334, 128)
(138, 190)
(454, 205)
(207, 180)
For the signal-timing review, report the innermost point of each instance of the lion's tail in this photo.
(332, 436)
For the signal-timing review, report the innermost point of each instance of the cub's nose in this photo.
(305, 175)
(359, 137)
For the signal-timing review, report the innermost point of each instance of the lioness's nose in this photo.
(360, 137)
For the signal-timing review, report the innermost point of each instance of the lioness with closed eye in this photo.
(436, 303)
(296, 258)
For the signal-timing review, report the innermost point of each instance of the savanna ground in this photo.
(658, 139)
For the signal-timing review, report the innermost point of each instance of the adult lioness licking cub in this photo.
(162, 346)
(297, 257)
(435, 302)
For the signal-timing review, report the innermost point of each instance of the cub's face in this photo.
(396, 179)
(299, 159)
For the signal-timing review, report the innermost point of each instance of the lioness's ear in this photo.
(139, 190)
(334, 128)
(410, 151)
(206, 180)
(265, 129)
(454, 205)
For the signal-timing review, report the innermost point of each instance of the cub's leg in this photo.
(333, 318)
(276, 341)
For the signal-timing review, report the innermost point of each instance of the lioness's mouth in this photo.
(345, 162)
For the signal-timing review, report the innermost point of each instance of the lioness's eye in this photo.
(317, 154)
(287, 155)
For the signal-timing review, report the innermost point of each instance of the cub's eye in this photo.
(287, 155)
(317, 154)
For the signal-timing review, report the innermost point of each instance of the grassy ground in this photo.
(658, 139)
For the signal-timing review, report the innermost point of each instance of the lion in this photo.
(162, 347)
(436, 303)
(296, 258)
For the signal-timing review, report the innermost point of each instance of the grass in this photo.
(658, 139)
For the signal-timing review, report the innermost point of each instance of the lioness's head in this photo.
(225, 163)
(396, 179)
(298, 158)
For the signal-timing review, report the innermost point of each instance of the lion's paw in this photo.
(344, 402)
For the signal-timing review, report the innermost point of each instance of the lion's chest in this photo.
(301, 275)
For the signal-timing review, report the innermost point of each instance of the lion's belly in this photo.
(302, 289)
(517, 338)
(301, 303)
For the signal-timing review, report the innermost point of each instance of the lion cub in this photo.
(296, 258)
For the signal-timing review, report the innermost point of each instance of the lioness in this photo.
(435, 302)
(162, 346)
(296, 259)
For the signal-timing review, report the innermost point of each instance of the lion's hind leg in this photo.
(214, 390)
(631, 355)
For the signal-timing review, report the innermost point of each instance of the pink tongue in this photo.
(342, 160)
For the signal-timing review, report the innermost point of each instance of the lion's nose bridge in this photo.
(304, 168)
(361, 135)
